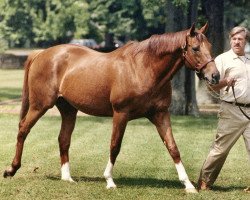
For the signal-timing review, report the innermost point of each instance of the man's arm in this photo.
(226, 82)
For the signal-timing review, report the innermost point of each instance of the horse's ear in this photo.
(204, 28)
(192, 30)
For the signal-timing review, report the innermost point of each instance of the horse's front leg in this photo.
(163, 125)
(119, 124)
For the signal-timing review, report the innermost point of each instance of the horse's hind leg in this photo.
(119, 124)
(163, 125)
(68, 114)
(24, 128)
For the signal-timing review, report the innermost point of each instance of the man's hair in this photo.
(239, 29)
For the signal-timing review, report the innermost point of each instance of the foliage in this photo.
(15, 24)
(238, 12)
(39, 21)
(3, 44)
(58, 19)
(154, 13)
(112, 16)
(48, 22)
(118, 17)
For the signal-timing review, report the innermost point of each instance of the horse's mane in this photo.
(166, 43)
(158, 44)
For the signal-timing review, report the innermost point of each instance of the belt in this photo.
(247, 105)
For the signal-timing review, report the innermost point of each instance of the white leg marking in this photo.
(66, 173)
(108, 175)
(183, 177)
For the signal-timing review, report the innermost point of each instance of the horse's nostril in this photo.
(215, 78)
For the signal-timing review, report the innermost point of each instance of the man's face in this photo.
(238, 42)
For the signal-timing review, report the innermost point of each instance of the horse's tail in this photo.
(25, 91)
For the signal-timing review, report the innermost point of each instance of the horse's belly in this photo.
(95, 107)
(88, 100)
(88, 90)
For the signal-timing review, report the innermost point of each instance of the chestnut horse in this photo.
(128, 83)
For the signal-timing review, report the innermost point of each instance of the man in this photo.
(234, 68)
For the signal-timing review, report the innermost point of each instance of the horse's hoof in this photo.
(113, 186)
(110, 188)
(191, 191)
(7, 174)
(68, 179)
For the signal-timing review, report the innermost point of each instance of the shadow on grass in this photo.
(128, 181)
(136, 122)
(146, 182)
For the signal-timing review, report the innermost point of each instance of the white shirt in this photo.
(231, 65)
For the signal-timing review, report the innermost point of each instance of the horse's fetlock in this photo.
(15, 166)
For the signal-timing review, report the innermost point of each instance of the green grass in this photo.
(11, 84)
(144, 169)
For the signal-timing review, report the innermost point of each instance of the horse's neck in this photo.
(166, 51)
(167, 67)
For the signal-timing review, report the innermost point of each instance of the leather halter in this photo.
(195, 66)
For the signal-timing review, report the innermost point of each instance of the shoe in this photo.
(202, 185)
(247, 190)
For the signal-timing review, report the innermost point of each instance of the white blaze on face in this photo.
(66, 173)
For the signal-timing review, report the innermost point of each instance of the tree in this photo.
(176, 22)
(180, 15)
(191, 107)
(214, 13)
(112, 17)
(15, 22)
(43, 22)
(236, 13)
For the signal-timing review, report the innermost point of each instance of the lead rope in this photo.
(214, 93)
(238, 105)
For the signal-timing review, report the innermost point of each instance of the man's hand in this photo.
(230, 82)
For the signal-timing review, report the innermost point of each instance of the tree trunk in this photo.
(176, 22)
(109, 40)
(190, 90)
(183, 84)
(214, 11)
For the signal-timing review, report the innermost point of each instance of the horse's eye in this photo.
(196, 49)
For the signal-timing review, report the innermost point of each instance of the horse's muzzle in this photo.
(215, 78)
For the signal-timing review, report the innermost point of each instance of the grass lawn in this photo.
(144, 169)
(11, 82)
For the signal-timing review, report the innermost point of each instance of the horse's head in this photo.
(197, 55)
